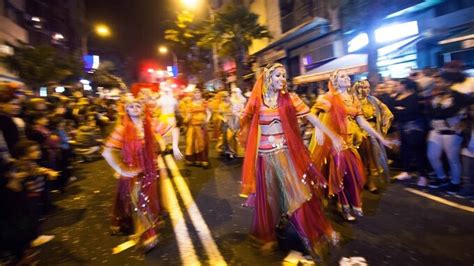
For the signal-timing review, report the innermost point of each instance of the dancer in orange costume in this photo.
(131, 150)
(341, 112)
(278, 177)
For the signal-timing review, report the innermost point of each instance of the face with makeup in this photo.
(363, 89)
(134, 109)
(197, 95)
(343, 80)
(278, 79)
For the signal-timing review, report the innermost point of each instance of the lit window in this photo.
(6, 49)
(396, 31)
(43, 91)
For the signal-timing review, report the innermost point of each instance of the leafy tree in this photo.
(102, 77)
(184, 35)
(233, 30)
(38, 66)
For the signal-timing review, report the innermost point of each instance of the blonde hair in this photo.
(333, 78)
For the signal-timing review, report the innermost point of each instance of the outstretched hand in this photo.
(177, 153)
(319, 137)
(337, 143)
(129, 173)
(390, 143)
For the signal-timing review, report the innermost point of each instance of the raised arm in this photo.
(366, 126)
(336, 141)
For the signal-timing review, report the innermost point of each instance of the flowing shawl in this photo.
(324, 156)
(135, 157)
(250, 133)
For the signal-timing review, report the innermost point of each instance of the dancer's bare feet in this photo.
(269, 247)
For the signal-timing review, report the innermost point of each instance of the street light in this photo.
(164, 50)
(101, 30)
(191, 4)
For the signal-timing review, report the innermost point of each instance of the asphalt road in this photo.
(399, 227)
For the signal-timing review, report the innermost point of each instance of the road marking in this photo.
(215, 257)
(185, 245)
(125, 245)
(441, 200)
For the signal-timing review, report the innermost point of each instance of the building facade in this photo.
(12, 32)
(305, 33)
(60, 23)
(411, 34)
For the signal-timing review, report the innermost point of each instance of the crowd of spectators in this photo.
(41, 139)
(433, 122)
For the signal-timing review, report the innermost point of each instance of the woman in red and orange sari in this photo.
(341, 111)
(132, 150)
(278, 177)
(197, 139)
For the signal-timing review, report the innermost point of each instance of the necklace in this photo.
(271, 100)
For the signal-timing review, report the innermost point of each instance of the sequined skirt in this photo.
(280, 192)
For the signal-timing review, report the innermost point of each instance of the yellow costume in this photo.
(197, 142)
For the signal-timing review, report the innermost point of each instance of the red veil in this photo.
(133, 155)
(249, 137)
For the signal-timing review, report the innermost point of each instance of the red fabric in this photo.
(345, 168)
(337, 111)
(141, 154)
(249, 136)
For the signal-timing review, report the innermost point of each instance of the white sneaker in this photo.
(402, 176)
(40, 240)
(422, 181)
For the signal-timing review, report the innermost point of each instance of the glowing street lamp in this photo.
(191, 4)
(102, 30)
(163, 50)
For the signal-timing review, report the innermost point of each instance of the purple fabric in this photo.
(122, 208)
(309, 219)
(350, 163)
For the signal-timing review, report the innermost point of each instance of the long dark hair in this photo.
(409, 84)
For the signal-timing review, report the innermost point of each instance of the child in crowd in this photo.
(33, 183)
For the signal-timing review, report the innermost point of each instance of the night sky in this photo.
(137, 26)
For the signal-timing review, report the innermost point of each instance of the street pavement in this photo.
(399, 227)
